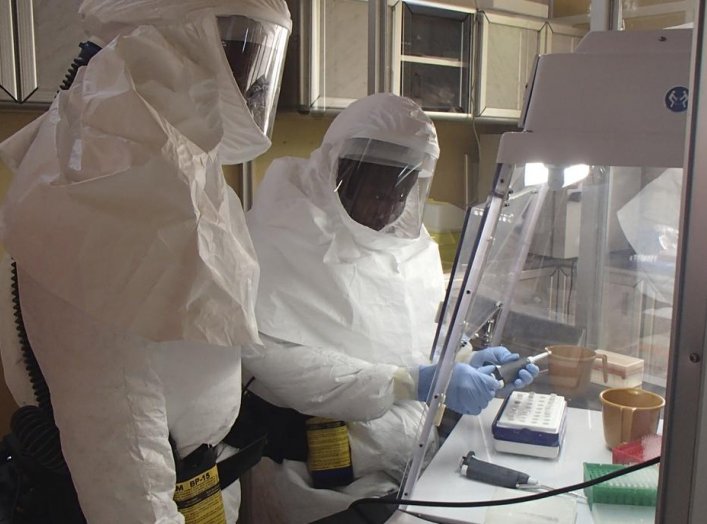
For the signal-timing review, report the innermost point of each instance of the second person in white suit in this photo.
(350, 285)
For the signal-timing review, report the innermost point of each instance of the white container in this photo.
(442, 217)
(624, 371)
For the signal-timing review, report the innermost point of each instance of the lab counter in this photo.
(583, 442)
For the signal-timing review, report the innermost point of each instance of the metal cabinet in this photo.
(38, 41)
(508, 46)
(337, 53)
(427, 51)
(561, 38)
(433, 55)
(455, 61)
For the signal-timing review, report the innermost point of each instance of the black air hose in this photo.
(39, 385)
(40, 438)
(88, 49)
(52, 495)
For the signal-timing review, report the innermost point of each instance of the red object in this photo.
(645, 448)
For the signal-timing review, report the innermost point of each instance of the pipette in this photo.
(507, 373)
(489, 473)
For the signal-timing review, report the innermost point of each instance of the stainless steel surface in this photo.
(8, 63)
(593, 248)
(305, 53)
(247, 180)
(605, 15)
(18, 63)
(683, 479)
(377, 38)
(27, 55)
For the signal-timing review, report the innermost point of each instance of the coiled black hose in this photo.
(88, 49)
(52, 498)
(39, 385)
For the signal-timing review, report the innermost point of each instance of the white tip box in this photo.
(624, 371)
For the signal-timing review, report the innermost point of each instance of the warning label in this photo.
(199, 499)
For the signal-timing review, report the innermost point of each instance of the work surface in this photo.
(442, 480)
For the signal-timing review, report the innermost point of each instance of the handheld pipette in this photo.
(507, 373)
(476, 469)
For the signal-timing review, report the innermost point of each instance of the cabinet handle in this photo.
(26, 50)
(18, 64)
(8, 68)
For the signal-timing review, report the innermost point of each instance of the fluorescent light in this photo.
(575, 173)
(535, 173)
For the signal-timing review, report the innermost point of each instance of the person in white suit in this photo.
(350, 285)
(137, 276)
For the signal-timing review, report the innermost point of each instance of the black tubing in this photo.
(88, 49)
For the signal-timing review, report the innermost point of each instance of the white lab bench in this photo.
(442, 481)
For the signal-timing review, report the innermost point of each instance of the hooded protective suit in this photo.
(344, 311)
(137, 275)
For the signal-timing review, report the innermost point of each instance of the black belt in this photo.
(283, 427)
(230, 469)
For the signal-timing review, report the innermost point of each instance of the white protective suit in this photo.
(344, 312)
(137, 274)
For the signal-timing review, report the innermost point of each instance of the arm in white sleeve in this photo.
(110, 410)
(325, 382)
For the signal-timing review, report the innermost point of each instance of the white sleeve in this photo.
(323, 381)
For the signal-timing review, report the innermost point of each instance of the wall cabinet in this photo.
(455, 61)
(432, 56)
(338, 53)
(561, 38)
(51, 32)
(508, 47)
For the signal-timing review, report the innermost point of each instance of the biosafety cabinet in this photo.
(571, 261)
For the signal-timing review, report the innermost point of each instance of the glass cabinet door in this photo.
(561, 38)
(507, 50)
(339, 53)
(434, 57)
(47, 36)
(337, 63)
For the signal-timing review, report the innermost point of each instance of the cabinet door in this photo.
(57, 34)
(339, 53)
(434, 57)
(507, 50)
(561, 38)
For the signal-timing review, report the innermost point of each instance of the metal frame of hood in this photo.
(683, 476)
(18, 63)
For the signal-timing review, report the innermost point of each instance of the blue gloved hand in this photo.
(494, 355)
(500, 355)
(470, 390)
(525, 376)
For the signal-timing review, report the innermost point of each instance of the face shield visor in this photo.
(255, 51)
(384, 186)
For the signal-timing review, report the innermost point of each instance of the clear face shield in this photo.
(255, 51)
(384, 186)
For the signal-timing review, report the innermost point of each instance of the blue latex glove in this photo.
(470, 389)
(501, 355)
(494, 355)
(525, 376)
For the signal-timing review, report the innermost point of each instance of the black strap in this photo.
(285, 429)
(231, 469)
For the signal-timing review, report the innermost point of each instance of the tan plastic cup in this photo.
(629, 414)
(570, 368)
